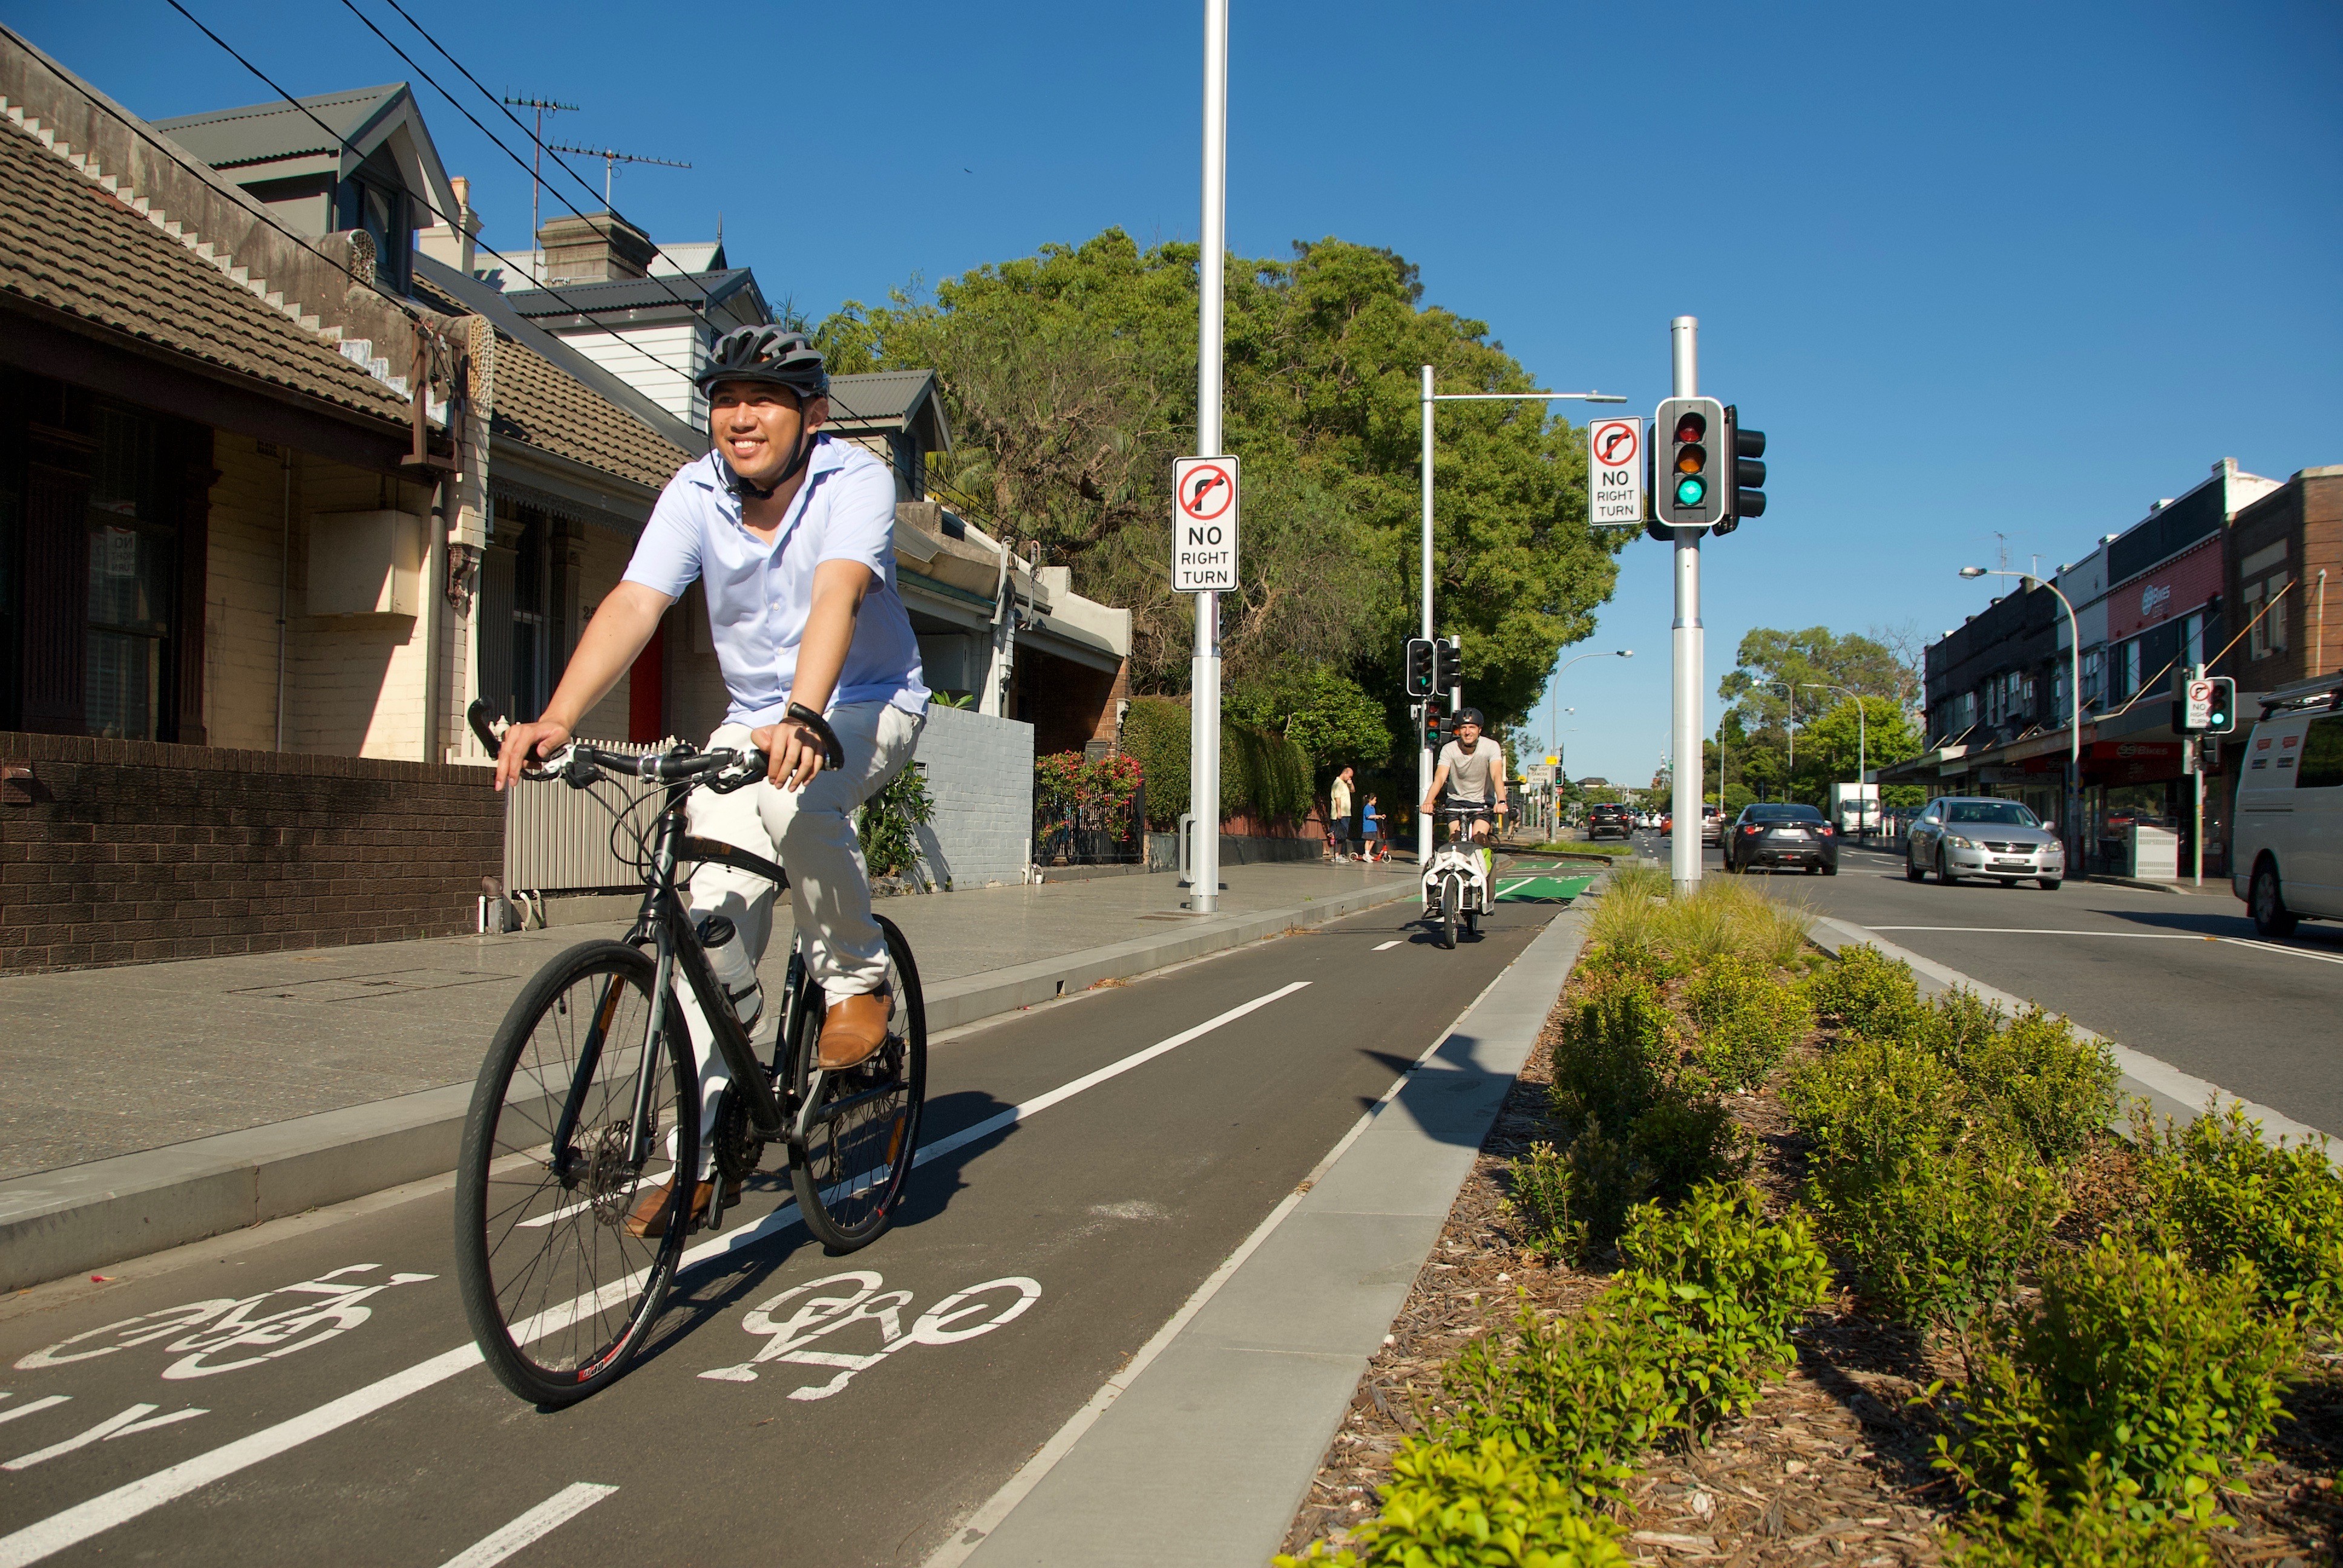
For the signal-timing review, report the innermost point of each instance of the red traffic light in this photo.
(1692, 427)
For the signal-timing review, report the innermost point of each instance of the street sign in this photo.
(2199, 704)
(1203, 525)
(1615, 471)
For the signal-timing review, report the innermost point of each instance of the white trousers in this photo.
(810, 831)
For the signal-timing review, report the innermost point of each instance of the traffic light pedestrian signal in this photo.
(1746, 497)
(1450, 653)
(1693, 484)
(1420, 681)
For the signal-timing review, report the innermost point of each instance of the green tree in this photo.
(1769, 660)
(1069, 377)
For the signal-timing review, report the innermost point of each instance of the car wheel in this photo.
(2049, 884)
(1945, 868)
(1830, 867)
(1912, 870)
(2271, 916)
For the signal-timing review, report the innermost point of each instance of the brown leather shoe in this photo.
(853, 1027)
(649, 1219)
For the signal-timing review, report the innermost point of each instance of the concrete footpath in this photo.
(1203, 1449)
(149, 1106)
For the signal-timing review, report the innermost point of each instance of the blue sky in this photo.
(1975, 269)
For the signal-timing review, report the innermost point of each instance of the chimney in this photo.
(595, 248)
(453, 246)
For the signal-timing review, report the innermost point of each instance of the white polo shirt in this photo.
(760, 595)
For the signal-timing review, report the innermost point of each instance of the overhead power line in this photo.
(612, 157)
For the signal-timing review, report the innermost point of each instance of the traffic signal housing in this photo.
(1744, 495)
(1449, 656)
(1420, 667)
(1435, 732)
(2221, 714)
(2207, 706)
(1691, 482)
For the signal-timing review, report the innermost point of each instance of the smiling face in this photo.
(756, 424)
(1467, 733)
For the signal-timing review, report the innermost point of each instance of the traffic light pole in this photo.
(1204, 673)
(1685, 640)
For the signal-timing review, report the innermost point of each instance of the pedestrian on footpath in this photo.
(1371, 831)
(1337, 816)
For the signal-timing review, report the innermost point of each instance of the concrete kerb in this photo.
(2170, 1094)
(58, 1222)
(1236, 1398)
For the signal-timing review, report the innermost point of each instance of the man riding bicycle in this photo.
(1468, 773)
(791, 535)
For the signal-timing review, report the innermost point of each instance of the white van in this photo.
(2285, 838)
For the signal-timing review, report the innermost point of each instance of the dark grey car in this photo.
(1958, 836)
(1784, 835)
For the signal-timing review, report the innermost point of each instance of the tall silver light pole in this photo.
(2072, 829)
(1424, 761)
(1686, 642)
(1211, 265)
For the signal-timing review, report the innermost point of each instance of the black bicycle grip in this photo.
(832, 752)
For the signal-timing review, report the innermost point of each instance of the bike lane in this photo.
(873, 1410)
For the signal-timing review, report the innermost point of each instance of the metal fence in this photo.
(1091, 836)
(557, 839)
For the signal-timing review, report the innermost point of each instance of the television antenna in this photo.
(612, 158)
(543, 106)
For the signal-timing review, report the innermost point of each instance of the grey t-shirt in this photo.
(1468, 777)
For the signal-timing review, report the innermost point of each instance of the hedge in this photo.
(1263, 776)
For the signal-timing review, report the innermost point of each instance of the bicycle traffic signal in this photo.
(1691, 488)
(1419, 679)
(1744, 497)
(1449, 653)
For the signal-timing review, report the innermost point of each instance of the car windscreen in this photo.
(1781, 814)
(1996, 813)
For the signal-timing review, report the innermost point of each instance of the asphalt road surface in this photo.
(327, 1406)
(2181, 977)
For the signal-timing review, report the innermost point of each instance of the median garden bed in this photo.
(1768, 1260)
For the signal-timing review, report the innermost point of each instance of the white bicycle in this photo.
(1456, 878)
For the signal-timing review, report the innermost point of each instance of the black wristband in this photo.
(832, 752)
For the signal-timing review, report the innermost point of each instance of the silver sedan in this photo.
(1979, 836)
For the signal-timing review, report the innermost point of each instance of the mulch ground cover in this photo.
(1833, 1466)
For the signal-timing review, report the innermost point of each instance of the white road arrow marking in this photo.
(542, 1520)
(129, 1422)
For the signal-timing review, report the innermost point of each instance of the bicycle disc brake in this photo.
(610, 1178)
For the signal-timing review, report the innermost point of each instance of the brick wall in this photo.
(121, 851)
(979, 772)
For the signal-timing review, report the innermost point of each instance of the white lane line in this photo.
(128, 1502)
(1379, 946)
(542, 1520)
(38, 1404)
(2134, 936)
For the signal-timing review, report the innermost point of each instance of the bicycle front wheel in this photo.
(862, 1124)
(561, 1277)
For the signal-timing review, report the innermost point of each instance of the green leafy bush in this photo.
(1937, 1240)
(2098, 1528)
(1680, 1142)
(1582, 1394)
(1618, 1041)
(1876, 1107)
(2221, 1194)
(2165, 1373)
(1866, 994)
(1541, 1196)
(1155, 731)
(1485, 1505)
(2054, 1091)
(1263, 774)
(1748, 1020)
(1958, 1025)
(887, 824)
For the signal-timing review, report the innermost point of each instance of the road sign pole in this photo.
(1685, 642)
(2197, 745)
(1204, 677)
(1424, 759)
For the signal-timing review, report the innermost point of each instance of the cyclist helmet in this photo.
(776, 355)
(1470, 716)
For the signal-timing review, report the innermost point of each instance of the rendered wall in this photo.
(979, 771)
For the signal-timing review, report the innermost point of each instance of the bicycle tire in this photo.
(543, 1259)
(850, 1182)
(1452, 902)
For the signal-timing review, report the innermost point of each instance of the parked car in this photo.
(1782, 835)
(1980, 836)
(2285, 845)
(1607, 818)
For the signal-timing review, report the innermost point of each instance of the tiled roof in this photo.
(77, 249)
(264, 133)
(553, 412)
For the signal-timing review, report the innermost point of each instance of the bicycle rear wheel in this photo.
(559, 1293)
(862, 1126)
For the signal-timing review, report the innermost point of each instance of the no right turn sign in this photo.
(1615, 471)
(1205, 525)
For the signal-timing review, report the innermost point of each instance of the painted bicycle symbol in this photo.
(832, 1305)
(213, 1336)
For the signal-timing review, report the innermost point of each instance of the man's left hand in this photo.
(795, 750)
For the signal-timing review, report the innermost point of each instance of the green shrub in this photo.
(2221, 1194)
(1866, 994)
(1729, 1285)
(1541, 1196)
(2096, 1529)
(2165, 1373)
(1155, 731)
(1485, 1505)
(1603, 1179)
(1955, 1027)
(1680, 1142)
(1263, 774)
(1585, 1394)
(2054, 1091)
(1874, 1108)
(1748, 1020)
(1936, 1240)
(1617, 1042)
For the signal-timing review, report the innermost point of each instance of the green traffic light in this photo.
(1691, 491)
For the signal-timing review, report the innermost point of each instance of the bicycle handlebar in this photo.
(581, 762)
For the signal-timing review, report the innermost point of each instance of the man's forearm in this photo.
(837, 590)
(619, 630)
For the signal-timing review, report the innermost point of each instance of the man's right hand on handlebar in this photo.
(526, 745)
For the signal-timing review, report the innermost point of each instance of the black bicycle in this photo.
(589, 1100)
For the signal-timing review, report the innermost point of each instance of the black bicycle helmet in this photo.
(776, 355)
(1470, 716)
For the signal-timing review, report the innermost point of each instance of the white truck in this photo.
(1855, 807)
